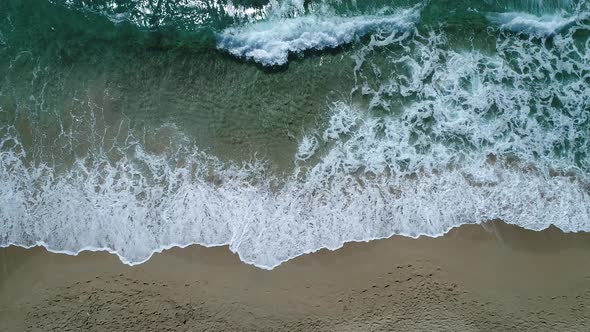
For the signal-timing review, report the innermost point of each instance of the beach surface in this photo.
(491, 277)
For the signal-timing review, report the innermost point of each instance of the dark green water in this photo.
(131, 126)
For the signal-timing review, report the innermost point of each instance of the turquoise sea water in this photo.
(280, 128)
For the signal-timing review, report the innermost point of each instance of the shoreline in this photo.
(490, 277)
(43, 246)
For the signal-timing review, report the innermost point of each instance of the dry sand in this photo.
(492, 278)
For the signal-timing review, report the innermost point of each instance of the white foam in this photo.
(133, 214)
(270, 42)
(543, 26)
(421, 169)
(307, 147)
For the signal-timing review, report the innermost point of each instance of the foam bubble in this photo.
(270, 42)
(307, 147)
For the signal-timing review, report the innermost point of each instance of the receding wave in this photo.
(116, 208)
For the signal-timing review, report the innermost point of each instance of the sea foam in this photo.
(142, 204)
(448, 137)
(270, 42)
(542, 26)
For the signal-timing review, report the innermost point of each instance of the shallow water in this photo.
(280, 128)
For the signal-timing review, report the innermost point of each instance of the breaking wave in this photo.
(270, 42)
(542, 26)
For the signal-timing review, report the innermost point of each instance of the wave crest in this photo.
(541, 26)
(270, 42)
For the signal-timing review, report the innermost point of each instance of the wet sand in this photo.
(495, 277)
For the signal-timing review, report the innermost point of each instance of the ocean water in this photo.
(283, 127)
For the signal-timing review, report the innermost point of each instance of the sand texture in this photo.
(492, 278)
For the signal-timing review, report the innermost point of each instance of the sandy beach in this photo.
(495, 277)
(255, 133)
